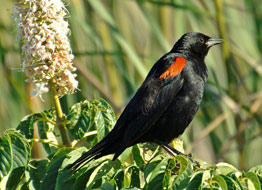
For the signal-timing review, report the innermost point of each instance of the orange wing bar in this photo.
(175, 68)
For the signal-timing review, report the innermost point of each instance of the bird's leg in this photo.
(172, 151)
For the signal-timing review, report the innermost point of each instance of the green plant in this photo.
(139, 167)
(115, 43)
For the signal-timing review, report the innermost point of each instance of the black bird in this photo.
(166, 102)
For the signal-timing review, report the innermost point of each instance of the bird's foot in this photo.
(172, 151)
(192, 160)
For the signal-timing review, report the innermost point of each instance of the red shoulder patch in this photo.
(175, 68)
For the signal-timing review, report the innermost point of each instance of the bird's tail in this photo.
(101, 149)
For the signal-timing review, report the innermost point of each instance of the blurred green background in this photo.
(116, 42)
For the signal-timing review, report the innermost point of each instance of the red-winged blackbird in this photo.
(165, 103)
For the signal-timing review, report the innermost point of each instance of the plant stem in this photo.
(47, 141)
(88, 134)
(60, 122)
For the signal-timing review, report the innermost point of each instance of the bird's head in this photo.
(195, 43)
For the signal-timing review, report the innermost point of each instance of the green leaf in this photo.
(87, 116)
(99, 172)
(106, 186)
(231, 184)
(157, 175)
(131, 188)
(65, 177)
(21, 150)
(184, 174)
(137, 157)
(48, 130)
(37, 171)
(220, 181)
(168, 178)
(5, 156)
(119, 178)
(225, 168)
(80, 118)
(149, 168)
(15, 178)
(83, 177)
(49, 180)
(183, 163)
(132, 172)
(155, 183)
(196, 181)
(104, 118)
(257, 170)
(26, 186)
(125, 155)
(235, 177)
(253, 178)
(26, 126)
(15, 152)
(183, 178)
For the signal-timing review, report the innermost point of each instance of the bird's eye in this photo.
(201, 40)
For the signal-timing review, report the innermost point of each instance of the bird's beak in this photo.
(213, 41)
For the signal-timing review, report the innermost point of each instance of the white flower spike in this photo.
(46, 51)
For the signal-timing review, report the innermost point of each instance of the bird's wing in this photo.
(156, 93)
